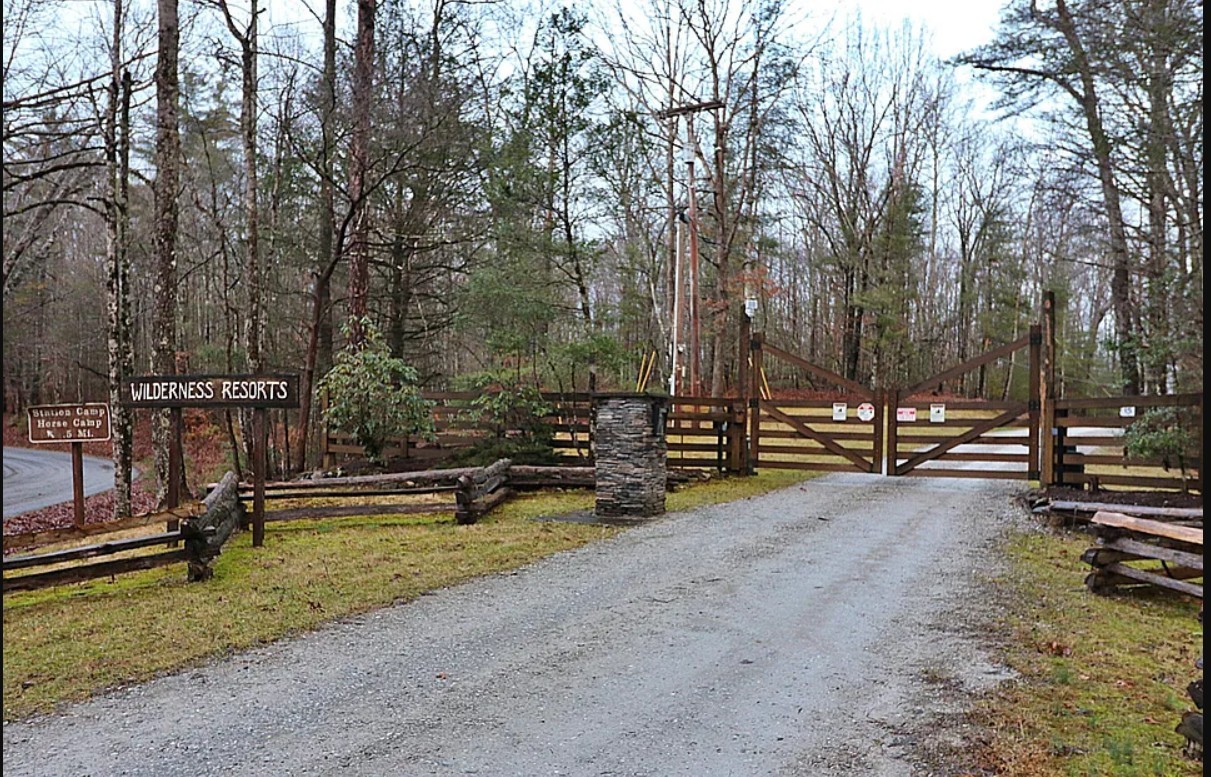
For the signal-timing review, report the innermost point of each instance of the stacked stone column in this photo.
(631, 455)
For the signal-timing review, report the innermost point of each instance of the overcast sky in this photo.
(955, 27)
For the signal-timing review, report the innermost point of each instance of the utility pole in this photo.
(694, 349)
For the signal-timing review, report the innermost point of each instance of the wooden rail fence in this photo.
(474, 491)
(203, 530)
(1124, 539)
(1088, 433)
(702, 432)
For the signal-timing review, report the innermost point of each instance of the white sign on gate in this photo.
(906, 414)
(866, 412)
(839, 409)
(1126, 412)
(937, 414)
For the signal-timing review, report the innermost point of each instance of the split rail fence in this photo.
(1063, 441)
(202, 529)
(702, 432)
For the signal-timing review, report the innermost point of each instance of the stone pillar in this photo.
(631, 455)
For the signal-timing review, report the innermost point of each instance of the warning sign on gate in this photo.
(906, 414)
(866, 412)
(839, 409)
(937, 414)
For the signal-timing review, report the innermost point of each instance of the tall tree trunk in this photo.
(1158, 281)
(1120, 281)
(252, 337)
(359, 163)
(121, 351)
(319, 342)
(168, 154)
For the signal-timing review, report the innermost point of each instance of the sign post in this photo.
(258, 392)
(73, 424)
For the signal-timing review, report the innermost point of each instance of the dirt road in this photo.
(821, 630)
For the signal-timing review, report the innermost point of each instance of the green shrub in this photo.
(1163, 433)
(373, 396)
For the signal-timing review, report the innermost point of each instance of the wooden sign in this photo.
(211, 391)
(88, 422)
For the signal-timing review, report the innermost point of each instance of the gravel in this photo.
(831, 628)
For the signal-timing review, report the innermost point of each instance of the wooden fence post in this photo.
(1047, 394)
(754, 406)
(893, 432)
(77, 482)
(259, 440)
(738, 423)
(876, 456)
(176, 463)
(1035, 402)
(327, 459)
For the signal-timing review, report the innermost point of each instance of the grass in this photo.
(65, 643)
(1102, 678)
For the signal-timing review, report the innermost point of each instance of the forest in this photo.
(550, 195)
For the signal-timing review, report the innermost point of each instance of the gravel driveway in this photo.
(825, 629)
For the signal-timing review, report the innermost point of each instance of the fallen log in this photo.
(532, 476)
(430, 476)
(205, 535)
(1143, 511)
(473, 487)
(1185, 534)
(342, 511)
(1124, 549)
(1111, 576)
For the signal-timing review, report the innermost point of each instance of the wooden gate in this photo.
(840, 433)
(968, 438)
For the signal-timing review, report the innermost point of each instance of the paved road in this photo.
(35, 478)
(794, 633)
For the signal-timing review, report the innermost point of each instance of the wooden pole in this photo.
(77, 477)
(259, 444)
(694, 363)
(1047, 394)
(893, 432)
(744, 383)
(176, 455)
(174, 461)
(1035, 402)
(754, 406)
(876, 452)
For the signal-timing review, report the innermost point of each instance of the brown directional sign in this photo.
(88, 422)
(211, 391)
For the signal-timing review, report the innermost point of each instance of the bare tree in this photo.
(1058, 41)
(168, 160)
(359, 167)
(117, 222)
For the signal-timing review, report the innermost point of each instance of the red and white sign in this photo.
(906, 414)
(866, 412)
